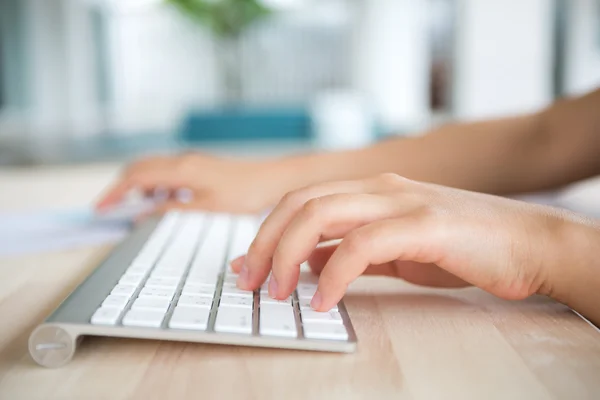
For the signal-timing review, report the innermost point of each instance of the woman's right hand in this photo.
(426, 234)
(210, 183)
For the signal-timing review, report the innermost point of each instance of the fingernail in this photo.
(184, 195)
(235, 263)
(243, 278)
(272, 287)
(316, 300)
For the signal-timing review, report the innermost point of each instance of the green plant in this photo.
(225, 18)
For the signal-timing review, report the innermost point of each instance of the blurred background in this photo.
(102, 80)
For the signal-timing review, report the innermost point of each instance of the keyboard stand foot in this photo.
(51, 346)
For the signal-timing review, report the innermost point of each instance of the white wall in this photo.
(60, 72)
(158, 66)
(503, 57)
(82, 102)
(391, 63)
(47, 69)
(582, 72)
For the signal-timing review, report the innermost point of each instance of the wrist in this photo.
(573, 276)
(295, 172)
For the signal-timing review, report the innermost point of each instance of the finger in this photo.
(261, 251)
(324, 218)
(160, 185)
(405, 239)
(114, 194)
(237, 263)
(125, 183)
(319, 258)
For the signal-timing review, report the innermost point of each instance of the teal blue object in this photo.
(246, 124)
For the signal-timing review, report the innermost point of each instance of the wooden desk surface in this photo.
(414, 343)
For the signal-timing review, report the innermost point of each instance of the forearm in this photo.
(483, 156)
(488, 156)
(513, 155)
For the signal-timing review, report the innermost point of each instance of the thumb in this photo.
(319, 257)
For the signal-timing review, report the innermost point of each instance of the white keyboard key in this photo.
(157, 241)
(306, 290)
(146, 318)
(325, 331)
(123, 290)
(237, 292)
(276, 320)
(229, 284)
(172, 267)
(304, 304)
(236, 301)
(264, 289)
(144, 259)
(116, 301)
(230, 279)
(333, 317)
(131, 279)
(213, 249)
(136, 269)
(189, 300)
(190, 318)
(195, 285)
(266, 299)
(163, 282)
(106, 316)
(181, 249)
(206, 291)
(203, 277)
(151, 303)
(167, 273)
(234, 320)
(244, 232)
(307, 277)
(157, 292)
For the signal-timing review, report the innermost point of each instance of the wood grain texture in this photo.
(414, 343)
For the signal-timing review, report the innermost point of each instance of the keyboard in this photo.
(171, 280)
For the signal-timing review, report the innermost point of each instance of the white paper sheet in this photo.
(55, 230)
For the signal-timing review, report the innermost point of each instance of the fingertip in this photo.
(320, 304)
(113, 196)
(317, 301)
(242, 281)
(104, 202)
(237, 263)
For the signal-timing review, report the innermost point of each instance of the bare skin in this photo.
(540, 151)
(439, 224)
(428, 235)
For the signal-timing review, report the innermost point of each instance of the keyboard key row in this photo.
(233, 316)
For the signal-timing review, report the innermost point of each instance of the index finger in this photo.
(258, 261)
(115, 194)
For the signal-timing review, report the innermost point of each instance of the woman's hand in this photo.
(203, 182)
(426, 234)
